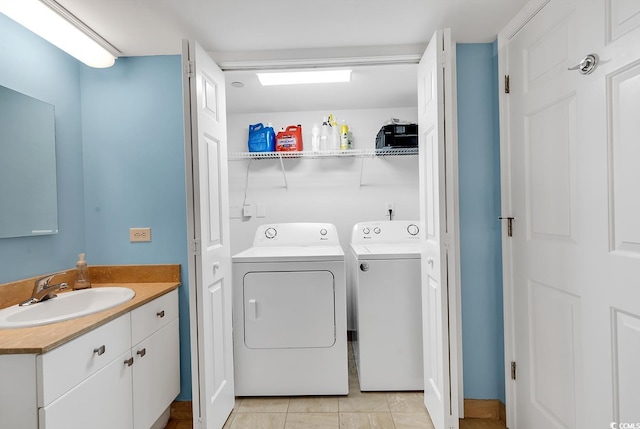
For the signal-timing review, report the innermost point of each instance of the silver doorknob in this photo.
(430, 261)
(364, 266)
(587, 65)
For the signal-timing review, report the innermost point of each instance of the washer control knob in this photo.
(366, 230)
(364, 266)
(270, 233)
(413, 229)
(323, 231)
(376, 230)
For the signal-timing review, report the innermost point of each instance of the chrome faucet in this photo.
(43, 291)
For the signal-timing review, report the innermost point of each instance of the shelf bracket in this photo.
(361, 168)
(284, 174)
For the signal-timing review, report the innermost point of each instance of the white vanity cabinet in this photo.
(156, 352)
(86, 382)
(123, 374)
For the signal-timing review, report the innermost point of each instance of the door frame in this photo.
(504, 37)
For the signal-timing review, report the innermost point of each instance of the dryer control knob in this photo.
(270, 233)
(364, 266)
(366, 230)
(323, 231)
(376, 230)
(413, 229)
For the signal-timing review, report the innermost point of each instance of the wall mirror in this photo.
(28, 191)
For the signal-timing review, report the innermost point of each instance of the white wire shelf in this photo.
(351, 153)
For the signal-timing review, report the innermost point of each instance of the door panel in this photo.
(213, 191)
(623, 100)
(554, 320)
(208, 225)
(626, 375)
(550, 145)
(543, 170)
(572, 176)
(622, 17)
(438, 214)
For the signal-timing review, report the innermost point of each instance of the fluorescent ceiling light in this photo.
(300, 77)
(58, 26)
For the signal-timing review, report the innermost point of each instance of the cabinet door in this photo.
(156, 374)
(68, 365)
(103, 401)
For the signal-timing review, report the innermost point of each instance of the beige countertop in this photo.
(148, 283)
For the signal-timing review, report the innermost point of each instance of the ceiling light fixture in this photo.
(302, 77)
(58, 26)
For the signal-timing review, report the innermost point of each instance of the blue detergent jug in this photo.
(262, 138)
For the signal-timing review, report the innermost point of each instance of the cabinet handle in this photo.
(100, 350)
(142, 352)
(160, 314)
(129, 361)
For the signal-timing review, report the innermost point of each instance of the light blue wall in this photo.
(34, 67)
(480, 233)
(134, 171)
(131, 134)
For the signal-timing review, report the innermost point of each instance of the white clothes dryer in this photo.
(289, 312)
(384, 272)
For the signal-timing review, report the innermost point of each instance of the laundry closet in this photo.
(342, 190)
(339, 188)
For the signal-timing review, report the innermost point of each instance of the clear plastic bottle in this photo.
(335, 138)
(82, 274)
(325, 132)
(315, 138)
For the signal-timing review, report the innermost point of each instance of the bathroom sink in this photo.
(65, 306)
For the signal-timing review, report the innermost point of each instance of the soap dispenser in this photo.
(82, 274)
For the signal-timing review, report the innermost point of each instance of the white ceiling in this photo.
(250, 30)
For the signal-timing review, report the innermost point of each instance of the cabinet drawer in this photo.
(103, 401)
(154, 315)
(64, 367)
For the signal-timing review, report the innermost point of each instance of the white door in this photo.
(571, 176)
(438, 215)
(208, 225)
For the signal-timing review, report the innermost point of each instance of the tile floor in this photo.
(358, 410)
(393, 410)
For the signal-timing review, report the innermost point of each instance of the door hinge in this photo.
(513, 370)
(190, 72)
(194, 246)
(507, 88)
(509, 225)
(443, 59)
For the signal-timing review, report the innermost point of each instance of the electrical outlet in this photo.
(247, 210)
(139, 234)
(389, 210)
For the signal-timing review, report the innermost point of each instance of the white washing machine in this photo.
(384, 272)
(289, 312)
